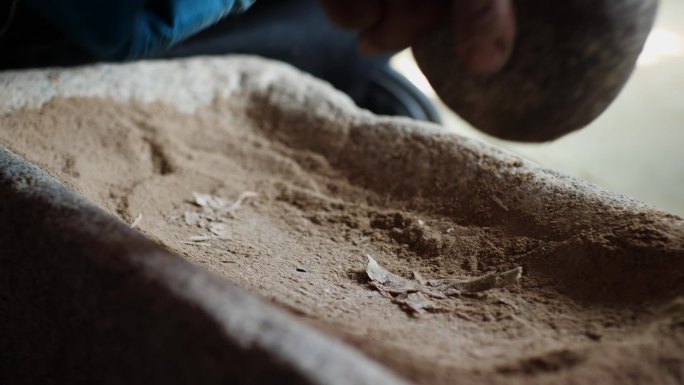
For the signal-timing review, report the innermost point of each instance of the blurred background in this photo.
(637, 146)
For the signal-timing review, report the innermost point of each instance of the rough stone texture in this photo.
(84, 299)
(570, 61)
(600, 250)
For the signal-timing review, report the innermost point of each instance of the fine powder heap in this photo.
(262, 195)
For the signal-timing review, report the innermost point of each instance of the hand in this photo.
(484, 29)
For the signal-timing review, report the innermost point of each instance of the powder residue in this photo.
(302, 239)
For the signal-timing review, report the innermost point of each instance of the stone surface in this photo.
(85, 299)
(570, 61)
(86, 296)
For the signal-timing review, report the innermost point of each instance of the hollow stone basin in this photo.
(84, 298)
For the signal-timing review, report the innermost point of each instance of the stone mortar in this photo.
(84, 298)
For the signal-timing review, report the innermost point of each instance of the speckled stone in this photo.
(85, 299)
(570, 61)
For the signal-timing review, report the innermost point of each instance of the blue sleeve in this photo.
(132, 29)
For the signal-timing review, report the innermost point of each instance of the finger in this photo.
(353, 14)
(485, 33)
(404, 23)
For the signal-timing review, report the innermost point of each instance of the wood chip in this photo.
(212, 204)
(479, 284)
(415, 303)
(200, 238)
(218, 229)
(386, 281)
(212, 215)
(419, 278)
(500, 203)
(238, 203)
(414, 295)
(191, 243)
(136, 221)
(206, 200)
(191, 218)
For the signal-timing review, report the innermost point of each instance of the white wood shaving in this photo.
(238, 203)
(219, 229)
(415, 303)
(200, 238)
(136, 221)
(210, 201)
(386, 281)
(413, 295)
(191, 218)
(212, 215)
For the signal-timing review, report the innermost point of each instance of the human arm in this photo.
(483, 29)
(133, 29)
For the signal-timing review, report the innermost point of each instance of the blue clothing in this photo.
(133, 29)
(293, 31)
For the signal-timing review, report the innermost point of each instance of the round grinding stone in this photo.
(570, 61)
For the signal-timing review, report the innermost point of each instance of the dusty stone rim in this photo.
(307, 113)
(80, 263)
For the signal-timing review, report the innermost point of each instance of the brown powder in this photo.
(600, 299)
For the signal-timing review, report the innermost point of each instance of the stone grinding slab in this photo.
(596, 249)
